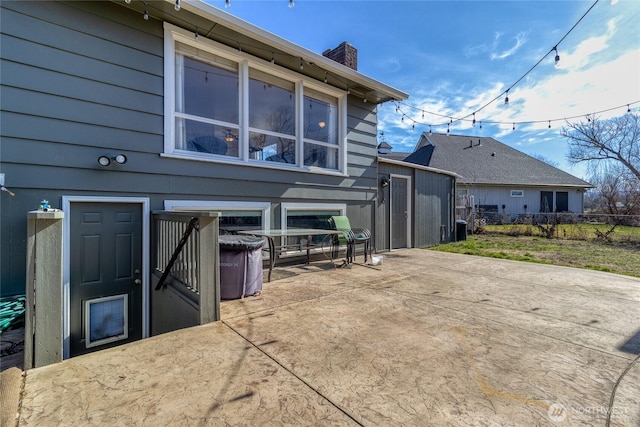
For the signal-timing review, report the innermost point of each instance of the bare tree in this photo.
(602, 142)
(618, 192)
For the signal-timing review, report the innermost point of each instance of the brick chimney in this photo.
(345, 54)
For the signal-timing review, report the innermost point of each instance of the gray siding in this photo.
(83, 79)
(501, 195)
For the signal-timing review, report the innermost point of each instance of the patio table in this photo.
(273, 234)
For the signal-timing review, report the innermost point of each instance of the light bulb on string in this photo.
(195, 36)
(273, 59)
(291, 4)
(514, 126)
(549, 124)
(423, 115)
(448, 134)
(127, 1)
(474, 120)
(177, 6)
(146, 12)
(430, 131)
(227, 4)
(301, 64)
(506, 98)
(557, 58)
(628, 109)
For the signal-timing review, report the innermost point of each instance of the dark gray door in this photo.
(562, 201)
(105, 305)
(399, 212)
(546, 201)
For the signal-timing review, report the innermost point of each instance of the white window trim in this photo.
(173, 33)
(285, 207)
(514, 193)
(214, 205)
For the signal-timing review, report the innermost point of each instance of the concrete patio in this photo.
(427, 338)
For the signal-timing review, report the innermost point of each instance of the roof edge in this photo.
(210, 12)
(417, 166)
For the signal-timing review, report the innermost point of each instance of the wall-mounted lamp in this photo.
(105, 161)
(384, 182)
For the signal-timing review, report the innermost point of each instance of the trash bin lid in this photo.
(461, 221)
(232, 242)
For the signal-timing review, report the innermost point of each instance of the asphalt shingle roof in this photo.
(483, 160)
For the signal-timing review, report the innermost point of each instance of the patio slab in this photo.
(427, 338)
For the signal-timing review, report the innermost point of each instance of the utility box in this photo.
(240, 266)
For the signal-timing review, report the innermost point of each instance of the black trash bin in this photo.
(461, 230)
(240, 266)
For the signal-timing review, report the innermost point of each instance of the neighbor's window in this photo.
(517, 193)
(226, 107)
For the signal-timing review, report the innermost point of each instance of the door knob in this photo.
(137, 271)
(138, 282)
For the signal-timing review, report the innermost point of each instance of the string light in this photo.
(301, 64)
(227, 4)
(474, 119)
(196, 34)
(451, 120)
(291, 4)
(557, 58)
(273, 58)
(127, 1)
(177, 6)
(326, 76)
(506, 98)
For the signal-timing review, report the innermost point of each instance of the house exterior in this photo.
(113, 109)
(495, 178)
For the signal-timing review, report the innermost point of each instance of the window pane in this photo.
(309, 219)
(272, 148)
(206, 138)
(320, 156)
(207, 90)
(271, 103)
(320, 118)
(231, 221)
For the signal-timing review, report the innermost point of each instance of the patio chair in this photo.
(352, 237)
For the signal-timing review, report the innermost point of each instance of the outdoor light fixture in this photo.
(105, 161)
(384, 182)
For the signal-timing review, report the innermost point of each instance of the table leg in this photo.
(272, 256)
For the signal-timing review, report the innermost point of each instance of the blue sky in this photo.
(454, 57)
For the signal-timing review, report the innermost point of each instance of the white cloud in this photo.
(520, 39)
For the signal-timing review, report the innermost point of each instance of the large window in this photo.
(227, 106)
(309, 215)
(233, 216)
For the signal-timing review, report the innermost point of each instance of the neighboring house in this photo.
(191, 108)
(495, 178)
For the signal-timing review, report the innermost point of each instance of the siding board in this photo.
(82, 44)
(25, 52)
(64, 85)
(73, 110)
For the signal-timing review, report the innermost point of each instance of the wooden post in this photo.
(43, 311)
(208, 269)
